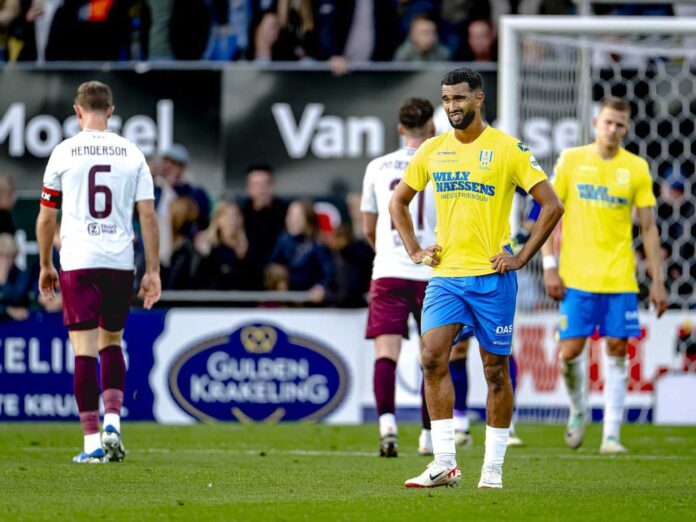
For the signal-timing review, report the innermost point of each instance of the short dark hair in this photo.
(94, 96)
(616, 103)
(463, 75)
(259, 166)
(415, 112)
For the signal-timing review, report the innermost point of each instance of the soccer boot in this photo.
(435, 476)
(463, 438)
(425, 443)
(575, 430)
(514, 440)
(612, 446)
(96, 457)
(389, 445)
(113, 445)
(491, 477)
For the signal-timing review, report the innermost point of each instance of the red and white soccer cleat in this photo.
(435, 476)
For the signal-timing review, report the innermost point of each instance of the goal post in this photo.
(552, 72)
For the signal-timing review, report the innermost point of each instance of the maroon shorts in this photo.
(391, 301)
(96, 297)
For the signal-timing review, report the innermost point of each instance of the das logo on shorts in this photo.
(259, 372)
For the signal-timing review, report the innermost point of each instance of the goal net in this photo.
(553, 73)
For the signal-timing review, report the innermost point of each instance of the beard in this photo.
(465, 122)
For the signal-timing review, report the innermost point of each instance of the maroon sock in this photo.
(425, 416)
(86, 386)
(385, 385)
(113, 378)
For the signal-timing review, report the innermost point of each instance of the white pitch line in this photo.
(320, 453)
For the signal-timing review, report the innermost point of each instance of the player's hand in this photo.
(48, 282)
(428, 256)
(150, 289)
(554, 284)
(506, 262)
(658, 297)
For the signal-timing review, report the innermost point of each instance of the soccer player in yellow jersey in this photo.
(599, 185)
(474, 170)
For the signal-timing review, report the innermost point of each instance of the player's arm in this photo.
(651, 244)
(151, 286)
(551, 212)
(369, 227)
(398, 208)
(45, 229)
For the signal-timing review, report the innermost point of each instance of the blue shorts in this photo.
(485, 303)
(616, 315)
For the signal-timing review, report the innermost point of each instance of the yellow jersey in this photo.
(599, 195)
(474, 184)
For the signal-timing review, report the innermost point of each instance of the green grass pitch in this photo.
(321, 472)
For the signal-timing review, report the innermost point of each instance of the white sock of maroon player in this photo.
(86, 387)
(113, 378)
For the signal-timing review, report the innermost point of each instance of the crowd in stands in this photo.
(337, 31)
(256, 242)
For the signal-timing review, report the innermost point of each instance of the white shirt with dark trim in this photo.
(98, 176)
(381, 177)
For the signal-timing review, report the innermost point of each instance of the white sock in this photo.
(574, 377)
(496, 444)
(92, 442)
(442, 432)
(614, 396)
(387, 424)
(461, 421)
(112, 419)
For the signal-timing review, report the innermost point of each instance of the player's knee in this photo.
(497, 377)
(434, 361)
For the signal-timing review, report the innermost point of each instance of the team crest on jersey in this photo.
(485, 159)
(623, 176)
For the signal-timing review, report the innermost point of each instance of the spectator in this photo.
(164, 196)
(14, 283)
(230, 35)
(308, 262)
(178, 276)
(455, 15)
(481, 45)
(422, 44)
(264, 47)
(353, 269)
(175, 160)
(264, 219)
(21, 43)
(160, 38)
(7, 201)
(105, 25)
(189, 28)
(9, 10)
(356, 31)
(222, 251)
